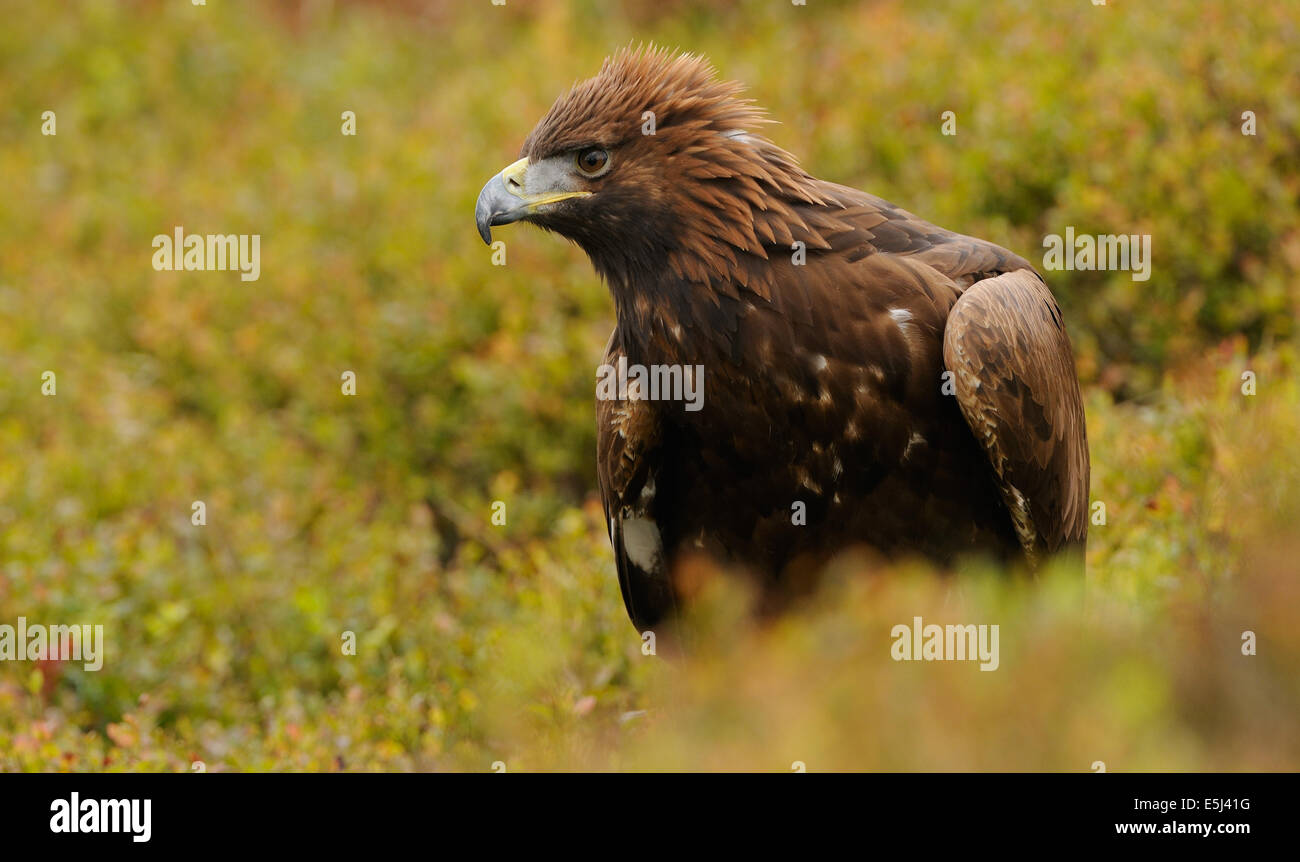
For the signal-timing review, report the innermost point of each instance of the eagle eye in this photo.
(593, 161)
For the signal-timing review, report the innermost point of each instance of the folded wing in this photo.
(1014, 377)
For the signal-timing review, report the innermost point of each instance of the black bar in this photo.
(331, 813)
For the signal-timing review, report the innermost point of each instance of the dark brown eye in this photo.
(593, 161)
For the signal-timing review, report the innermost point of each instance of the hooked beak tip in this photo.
(484, 212)
(496, 205)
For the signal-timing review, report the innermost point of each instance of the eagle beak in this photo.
(506, 198)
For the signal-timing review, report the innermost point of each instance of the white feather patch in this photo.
(642, 543)
(903, 319)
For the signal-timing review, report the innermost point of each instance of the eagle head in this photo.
(651, 161)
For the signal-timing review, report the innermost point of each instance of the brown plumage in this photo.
(913, 388)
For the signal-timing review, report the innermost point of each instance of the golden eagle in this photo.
(868, 378)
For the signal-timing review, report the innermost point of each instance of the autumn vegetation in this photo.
(329, 513)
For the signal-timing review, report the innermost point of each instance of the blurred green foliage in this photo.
(328, 513)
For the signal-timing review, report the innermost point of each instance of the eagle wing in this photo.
(629, 437)
(1014, 378)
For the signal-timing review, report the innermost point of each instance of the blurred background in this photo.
(370, 514)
